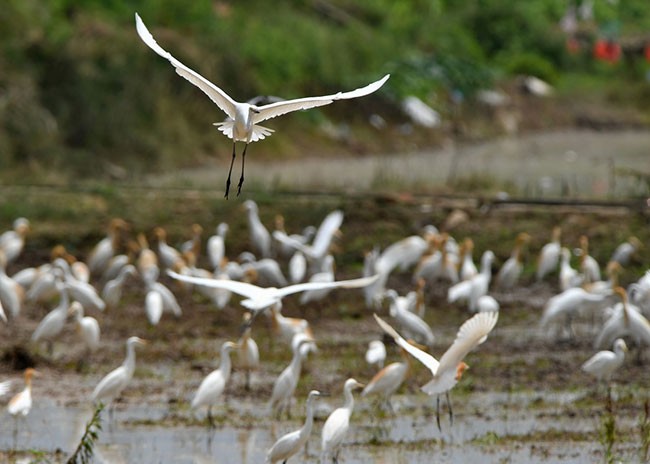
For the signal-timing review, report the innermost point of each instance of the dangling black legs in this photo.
(241, 178)
(451, 413)
(232, 161)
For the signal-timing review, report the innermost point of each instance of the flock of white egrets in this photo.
(79, 287)
(435, 259)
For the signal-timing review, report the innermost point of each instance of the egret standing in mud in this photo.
(243, 118)
(111, 386)
(214, 384)
(290, 444)
(337, 424)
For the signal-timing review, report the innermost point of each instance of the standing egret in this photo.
(376, 353)
(259, 235)
(87, 326)
(52, 324)
(603, 364)
(286, 383)
(11, 292)
(107, 247)
(111, 386)
(112, 291)
(290, 444)
(12, 242)
(625, 251)
(627, 320)
(337, 424)
(449, 370)
(549, 255)
(216, 246)
(21, 403)
(248, 353)
(410, 323)
(389, 379)
(214, 384)
(243, 118)
(513, 267)
(588, 265)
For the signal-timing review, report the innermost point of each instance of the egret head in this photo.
(460, 369)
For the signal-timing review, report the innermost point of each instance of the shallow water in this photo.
(489, 426)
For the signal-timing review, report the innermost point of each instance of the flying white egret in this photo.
(243, 118)
(320, 247)
(337, 424)
(290, 444)
(258, 299)
(111, 386)
(214, 384)
(449, 370)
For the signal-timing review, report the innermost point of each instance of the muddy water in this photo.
(492, 426)
(577, 163)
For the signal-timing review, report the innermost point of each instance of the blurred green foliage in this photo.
(81, 95)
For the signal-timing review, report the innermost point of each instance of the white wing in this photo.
(472, 333)
(326, 231)
(218, 96)
(425, 358)
(240, 288)
(257, 294)
(4, 387)
(287, 106)
(353, 283)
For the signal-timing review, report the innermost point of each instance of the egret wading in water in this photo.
(243, 118)
(290, 444)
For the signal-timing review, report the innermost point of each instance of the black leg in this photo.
(210, 419)
(451, 413)
(438, 412)
(241, 178)
(232, 161)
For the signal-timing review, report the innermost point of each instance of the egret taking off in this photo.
(243, 118)
(449, 370)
